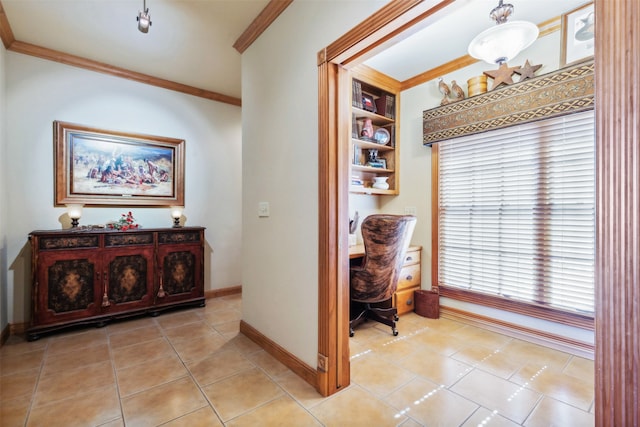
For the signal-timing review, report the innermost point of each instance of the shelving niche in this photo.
(375, 98)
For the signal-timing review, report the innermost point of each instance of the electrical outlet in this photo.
(323, 362)
(410, 210)
(263, 209)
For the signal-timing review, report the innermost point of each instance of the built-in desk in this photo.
(409, 276)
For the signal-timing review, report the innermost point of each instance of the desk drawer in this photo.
(412, 256)
(409, 277)
(404, 300)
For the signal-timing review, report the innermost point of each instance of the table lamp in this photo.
(176, 214)
(75, 212)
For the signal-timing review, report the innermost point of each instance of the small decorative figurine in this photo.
(444, 90)
(457, 91)
(353, 223)
(527, 71)
(367, 129)
(373, 155)
(502, 75)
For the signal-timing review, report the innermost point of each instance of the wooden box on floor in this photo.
(427, 303)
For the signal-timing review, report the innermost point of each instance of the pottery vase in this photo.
(380, 182)
(367, 129)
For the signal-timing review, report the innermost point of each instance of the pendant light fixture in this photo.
(505, 40)
(144, 19)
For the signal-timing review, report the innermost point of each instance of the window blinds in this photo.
(516, 213)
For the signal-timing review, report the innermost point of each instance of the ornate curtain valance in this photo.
(565, 91)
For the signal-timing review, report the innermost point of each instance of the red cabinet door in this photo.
(127, 279)
(66, 286)
(180, 273)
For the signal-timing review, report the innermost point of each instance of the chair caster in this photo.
(350, 332)
(395, 332)
(395, 317)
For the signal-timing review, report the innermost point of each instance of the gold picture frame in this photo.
(577, 35)
(104, 167)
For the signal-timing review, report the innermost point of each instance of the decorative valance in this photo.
(564, 91)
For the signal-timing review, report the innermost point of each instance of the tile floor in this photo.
(193, 368)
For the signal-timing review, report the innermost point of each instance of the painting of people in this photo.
(107, 167)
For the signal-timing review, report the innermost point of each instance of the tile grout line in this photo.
(35, 388)
(115, 375)
(197, 384)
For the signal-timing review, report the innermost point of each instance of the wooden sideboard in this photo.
(83, 277)
(410, 277)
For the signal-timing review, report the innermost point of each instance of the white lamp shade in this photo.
(503, 42)
(74, 211)
(176, 211)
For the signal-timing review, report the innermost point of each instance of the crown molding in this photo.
(13, 45)
(269, 14)
(5, 29)
(101, 67)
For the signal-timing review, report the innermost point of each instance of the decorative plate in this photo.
(382, 136)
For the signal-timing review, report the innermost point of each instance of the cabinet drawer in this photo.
(179, 237)
(409, 277)
(412, 256)
(404, 300)
(128, 239)
(68, 242)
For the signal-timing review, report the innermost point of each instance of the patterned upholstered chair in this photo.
(373, 283)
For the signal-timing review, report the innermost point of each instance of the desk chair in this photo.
(372, 284)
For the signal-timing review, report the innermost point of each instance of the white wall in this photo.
(280, 146)
(39, 92)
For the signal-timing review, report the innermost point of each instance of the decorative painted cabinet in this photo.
(94, 276)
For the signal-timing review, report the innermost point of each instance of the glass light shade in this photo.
(74, 211)
(176, 211)
(503, 42)
(176, 214)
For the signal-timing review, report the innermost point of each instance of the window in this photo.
(515, 218)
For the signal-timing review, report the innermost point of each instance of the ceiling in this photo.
(447, 39)
(191, 41)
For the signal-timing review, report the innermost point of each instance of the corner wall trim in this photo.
(300, 368)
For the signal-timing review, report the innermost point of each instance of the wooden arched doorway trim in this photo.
(617, 266)
(394, 21)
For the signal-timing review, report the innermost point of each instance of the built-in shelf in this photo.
(372, 92)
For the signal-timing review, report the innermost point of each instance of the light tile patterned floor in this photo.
(193, 368)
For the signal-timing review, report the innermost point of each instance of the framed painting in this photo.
(103, 167)
(578, 39)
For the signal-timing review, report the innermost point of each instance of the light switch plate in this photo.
(410, 210)
(263, 209)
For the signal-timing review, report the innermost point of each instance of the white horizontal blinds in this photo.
(516, 213)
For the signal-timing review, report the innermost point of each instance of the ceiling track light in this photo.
(143, 18)
(501, 43)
